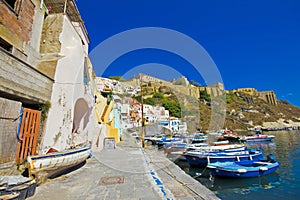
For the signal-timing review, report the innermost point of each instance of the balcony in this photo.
(22, 82)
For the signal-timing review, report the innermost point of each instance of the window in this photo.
(85, 72)
(14, 5)
(5, 45)
(11, 3)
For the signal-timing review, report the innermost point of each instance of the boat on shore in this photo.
(16, 187)
(243, 169)
(51, 164)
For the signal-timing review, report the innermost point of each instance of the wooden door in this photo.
(28, 134)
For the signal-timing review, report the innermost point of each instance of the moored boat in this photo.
(243, 169)
(257, 138)
(199, 138)
(201, 158)
(216, 148)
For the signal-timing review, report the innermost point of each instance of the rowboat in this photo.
(51, 164)
(257, 138)
(202, 158)
(216, 148)
(243, 169)
(16, 187)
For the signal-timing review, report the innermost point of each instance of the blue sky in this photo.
(252, 43)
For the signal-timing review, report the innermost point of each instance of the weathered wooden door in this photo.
(28, 134)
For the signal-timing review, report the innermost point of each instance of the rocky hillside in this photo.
(242, 112)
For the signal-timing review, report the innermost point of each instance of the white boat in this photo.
(257, 138)
(216, 148)
(44, 166)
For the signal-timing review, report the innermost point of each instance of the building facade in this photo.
(44, 67)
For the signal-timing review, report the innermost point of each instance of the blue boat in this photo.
(243, 169)
(257, 138)
(199, 138)
(201, 158)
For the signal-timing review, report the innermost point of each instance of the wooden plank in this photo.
(27, 134)
(32, 133)
(36, 134)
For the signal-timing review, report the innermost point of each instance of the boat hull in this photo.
(263, 138)
(204, 159)
(241, 170)
(45, 166)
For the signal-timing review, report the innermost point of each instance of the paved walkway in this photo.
(127, 172)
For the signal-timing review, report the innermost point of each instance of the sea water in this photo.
(284, 183)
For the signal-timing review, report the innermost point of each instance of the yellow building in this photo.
(104, 112)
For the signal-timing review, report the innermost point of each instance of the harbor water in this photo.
(282, 184)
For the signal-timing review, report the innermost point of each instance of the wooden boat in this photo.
(16, 187)
(257, 138)
(243, 169)
(216, 148)
(202, 158)
(175, 147)
(229, 135)
(10, 196)
(45, 166)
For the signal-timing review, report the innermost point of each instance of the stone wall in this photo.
(269, 97)
(50, 43)
(9, 120)
(21, 81)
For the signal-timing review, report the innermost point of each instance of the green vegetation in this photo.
(150, 101)
(44, 109)
(158, 95)
(158, 98)
(138, 98)
(173, 107)
(117, 78)
(204, 96)
(230, 96)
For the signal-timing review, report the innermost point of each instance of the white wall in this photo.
(67, 89)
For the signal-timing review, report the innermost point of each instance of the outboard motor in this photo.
(271, 158)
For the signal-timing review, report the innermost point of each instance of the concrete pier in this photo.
(126, 172)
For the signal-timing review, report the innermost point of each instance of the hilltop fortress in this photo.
(182, 85)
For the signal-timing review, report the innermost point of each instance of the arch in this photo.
(81, 115)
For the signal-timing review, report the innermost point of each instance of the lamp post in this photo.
(143, 121)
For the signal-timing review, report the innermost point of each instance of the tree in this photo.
(150, 101)
(173, 107)
(158, 95)
(138, 98)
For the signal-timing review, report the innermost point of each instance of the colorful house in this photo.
(105, 112)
